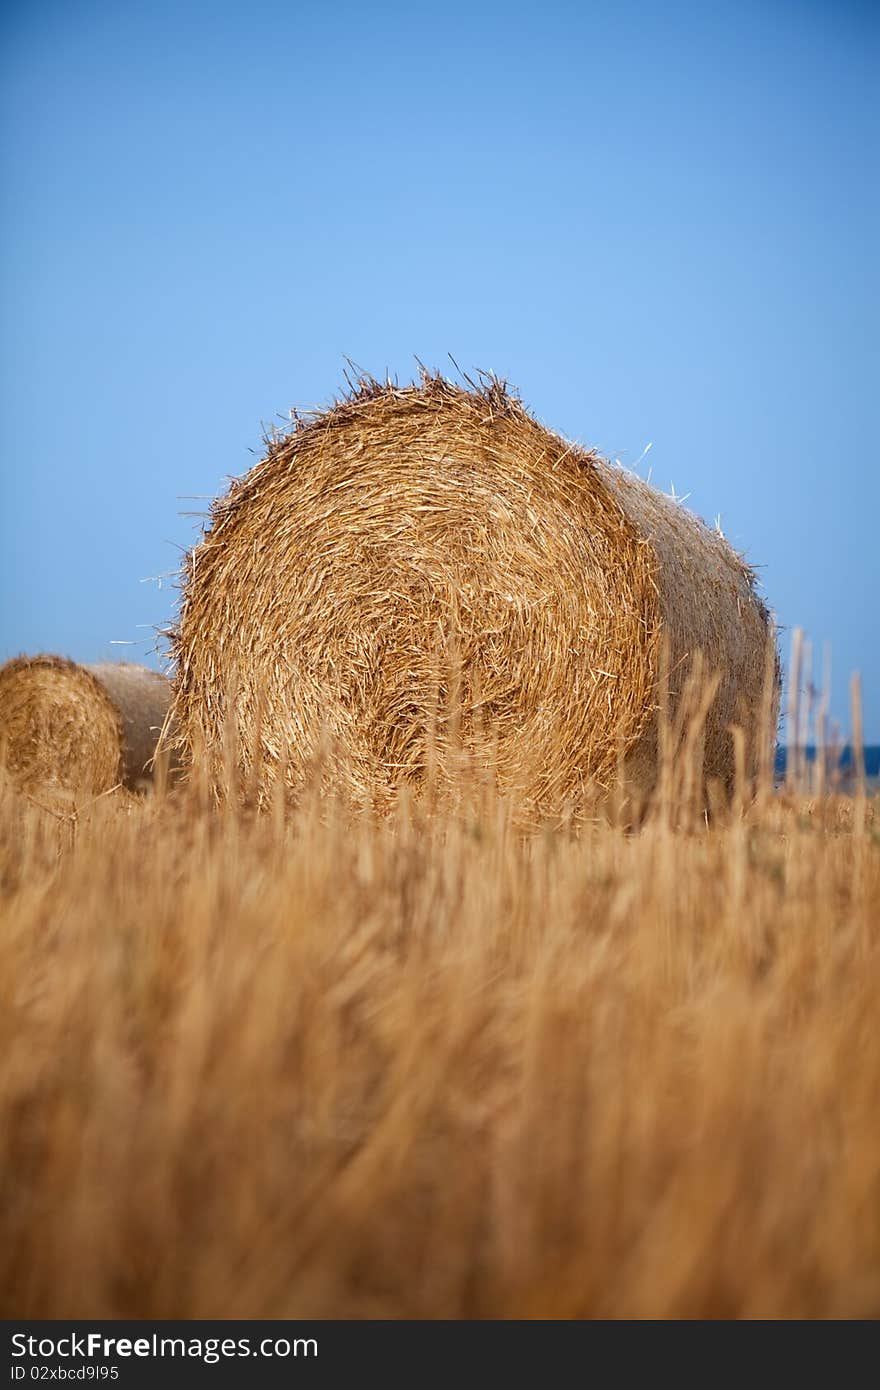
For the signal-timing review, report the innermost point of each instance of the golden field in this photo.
(312, 1064)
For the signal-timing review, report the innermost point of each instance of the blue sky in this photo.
(660, 220)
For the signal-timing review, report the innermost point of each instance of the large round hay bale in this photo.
(80, 728)
(426, 567)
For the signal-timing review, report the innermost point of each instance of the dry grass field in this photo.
(315, 1064)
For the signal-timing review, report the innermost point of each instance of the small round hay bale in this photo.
(428, 566)
(80, 728)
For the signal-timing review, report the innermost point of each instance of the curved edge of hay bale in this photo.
(710, 610)
(141, 698)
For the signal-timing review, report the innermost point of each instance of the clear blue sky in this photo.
(660, 220)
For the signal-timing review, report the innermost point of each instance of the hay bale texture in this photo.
(426, 567)
(80, 728)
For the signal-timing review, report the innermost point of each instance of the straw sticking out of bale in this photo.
(80, 728)
(427, 567)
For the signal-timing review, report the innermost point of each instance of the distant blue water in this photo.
(845, 763)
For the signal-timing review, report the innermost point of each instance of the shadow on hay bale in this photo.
(425, 572)
(80, 728)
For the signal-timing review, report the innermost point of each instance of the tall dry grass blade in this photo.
(792, 761)
(858, 754)
(820, 772)
(765, 734)
(805, 715)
